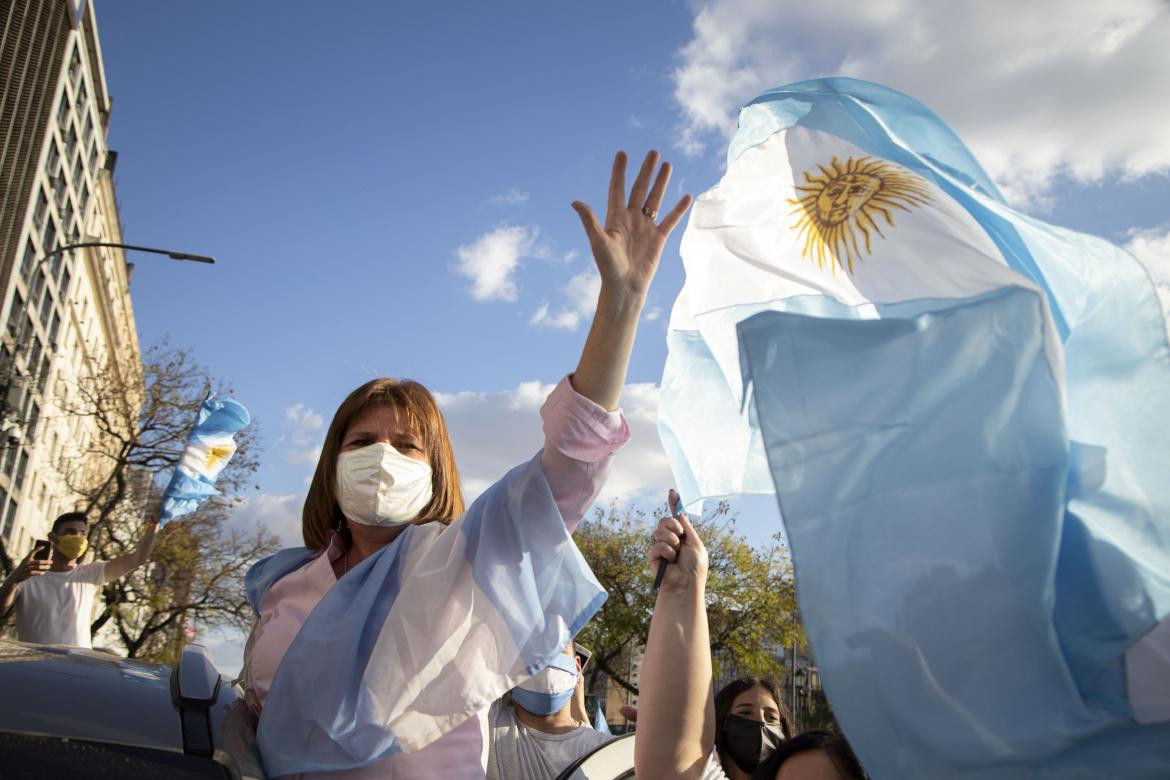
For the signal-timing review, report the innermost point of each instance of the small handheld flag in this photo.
(210, 445)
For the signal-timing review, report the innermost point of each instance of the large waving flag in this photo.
(965, 415)
(210, 446)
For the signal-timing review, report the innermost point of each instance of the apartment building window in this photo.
(14, 315)
(77, 169)
(38, 286)
(70, 140)
(41, 209)
(53, 158)
(55, 264)
(58, 184)
(43, 373)
(74, 66)
(93, 156)
(49, 236)
(53, 327)
(34, 417)
(34, 352)
(63, 113)
(22, 467)
(11, 455)
(84, 199)
(88, 132)
(82, 97)
(63, 285)
(46, 309)
(27, 260)
(67, 214)
(9, 515)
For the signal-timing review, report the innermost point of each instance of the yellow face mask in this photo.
(72, 547)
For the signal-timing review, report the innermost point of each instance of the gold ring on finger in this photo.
(652, 213)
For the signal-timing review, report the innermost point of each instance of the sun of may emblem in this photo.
(843, 201)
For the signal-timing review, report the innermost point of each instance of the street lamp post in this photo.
(13, 429)
(168, 252)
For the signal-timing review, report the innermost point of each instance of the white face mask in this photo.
(378, 485)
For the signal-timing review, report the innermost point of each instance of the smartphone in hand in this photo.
(43, 549)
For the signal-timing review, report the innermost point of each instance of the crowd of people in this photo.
(415, 637)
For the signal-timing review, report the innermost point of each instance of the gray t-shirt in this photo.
(517, 752)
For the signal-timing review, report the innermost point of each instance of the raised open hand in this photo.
(628, 247)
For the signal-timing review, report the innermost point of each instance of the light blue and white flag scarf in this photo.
(210, 445)
(965, 415)
(426, 632)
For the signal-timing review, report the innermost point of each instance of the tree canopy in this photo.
(751, 595)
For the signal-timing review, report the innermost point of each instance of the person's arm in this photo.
(582, 428)
(124, 564)
(25, 569)
(626, 249)
(676, 713)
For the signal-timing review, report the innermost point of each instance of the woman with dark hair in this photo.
(683, 732)
(380, 645)
(750, 722)
(814, 755)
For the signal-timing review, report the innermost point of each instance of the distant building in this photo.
(630, 666)
(67, 314)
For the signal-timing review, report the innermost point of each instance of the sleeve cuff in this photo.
(580, 428)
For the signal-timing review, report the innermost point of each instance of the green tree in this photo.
(751, 595)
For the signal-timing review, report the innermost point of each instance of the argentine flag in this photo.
(965, 416)
(210, 446)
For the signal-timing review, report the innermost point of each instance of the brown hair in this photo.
(417, 405)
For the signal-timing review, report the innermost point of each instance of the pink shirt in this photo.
(580, 438)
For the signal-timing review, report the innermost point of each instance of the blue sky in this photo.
(344, 165)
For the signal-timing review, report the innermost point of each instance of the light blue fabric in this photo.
(360, 681)
(548, 702)
(209, 448)
(267, 571)
(979, 516)
(599, 722)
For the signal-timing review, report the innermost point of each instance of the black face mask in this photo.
(749, 741)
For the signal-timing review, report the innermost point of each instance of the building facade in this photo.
(65, 314)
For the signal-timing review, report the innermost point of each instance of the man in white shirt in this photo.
(54, 598)
(541, 727)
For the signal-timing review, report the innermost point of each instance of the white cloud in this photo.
(279, 513)
(304, 434)
(1036, 89)
(491, 260)
(1152, 248)
(509, 197)
(653, 314)
(579, 301)
(492, 432)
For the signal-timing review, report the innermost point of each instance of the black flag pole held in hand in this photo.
(674, 502)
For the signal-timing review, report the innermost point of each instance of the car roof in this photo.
(70, 692)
